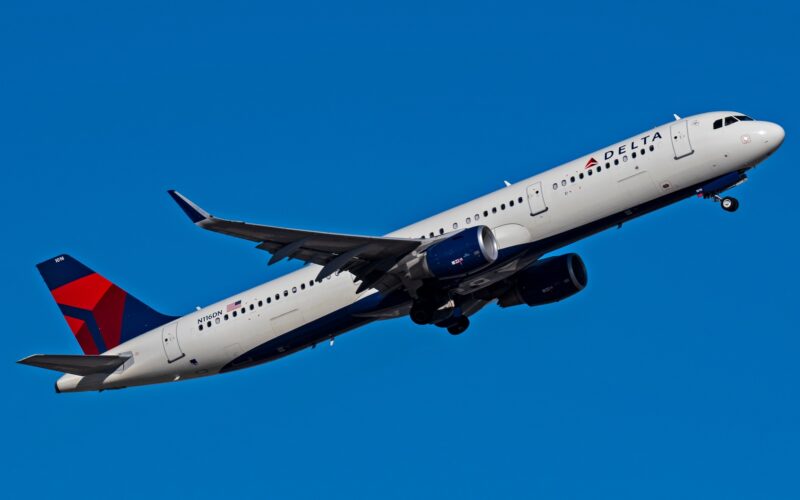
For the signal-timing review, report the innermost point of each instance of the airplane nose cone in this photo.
(771, 134)
(779, 134)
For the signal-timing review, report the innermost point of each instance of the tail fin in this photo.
(99, 313)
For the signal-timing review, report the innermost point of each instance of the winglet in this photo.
(195, 213)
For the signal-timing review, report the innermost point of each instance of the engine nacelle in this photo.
(547, 281)
(463, 253)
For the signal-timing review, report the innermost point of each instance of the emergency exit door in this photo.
(681, 145)
(536, 199)
(169, 339)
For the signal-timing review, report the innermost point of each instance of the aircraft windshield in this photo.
(730, 120)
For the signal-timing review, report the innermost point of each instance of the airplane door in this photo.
(679, 133)
(169, 339)
(536, 199)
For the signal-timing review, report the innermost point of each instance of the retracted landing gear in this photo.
(728, 203)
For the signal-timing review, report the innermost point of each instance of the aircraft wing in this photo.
(368, 258)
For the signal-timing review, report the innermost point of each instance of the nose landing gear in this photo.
(728, 203)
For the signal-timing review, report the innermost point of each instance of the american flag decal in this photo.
(233, 305)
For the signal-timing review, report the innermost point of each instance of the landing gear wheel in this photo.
(460, 327)
(729, 204)
(421, 315)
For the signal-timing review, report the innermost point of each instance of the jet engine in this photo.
(463, 253)
(546, 281)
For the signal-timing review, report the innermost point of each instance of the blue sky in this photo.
(673, 375)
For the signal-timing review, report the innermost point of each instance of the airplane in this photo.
(438, 271)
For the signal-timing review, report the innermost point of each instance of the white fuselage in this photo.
(553, 208)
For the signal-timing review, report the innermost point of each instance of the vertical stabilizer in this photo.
(100, 314)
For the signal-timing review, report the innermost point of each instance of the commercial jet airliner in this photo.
(438, 271)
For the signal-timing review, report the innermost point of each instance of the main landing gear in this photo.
(450, 318)
(459, 327)
(728, 203)
(421, 315)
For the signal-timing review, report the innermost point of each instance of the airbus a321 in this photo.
(438, 271)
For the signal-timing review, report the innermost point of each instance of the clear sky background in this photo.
(675, 374)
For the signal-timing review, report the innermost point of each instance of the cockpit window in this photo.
(730, 120)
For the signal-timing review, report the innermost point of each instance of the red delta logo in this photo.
(591, 163)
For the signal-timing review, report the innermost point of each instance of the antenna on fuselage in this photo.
(506, 183)
(677, 118)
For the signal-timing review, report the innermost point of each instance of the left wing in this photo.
(368, 258)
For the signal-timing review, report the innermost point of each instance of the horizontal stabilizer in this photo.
(75, 364)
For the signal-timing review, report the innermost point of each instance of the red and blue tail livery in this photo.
(100, 314)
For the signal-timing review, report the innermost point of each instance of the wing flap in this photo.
(75, 364)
